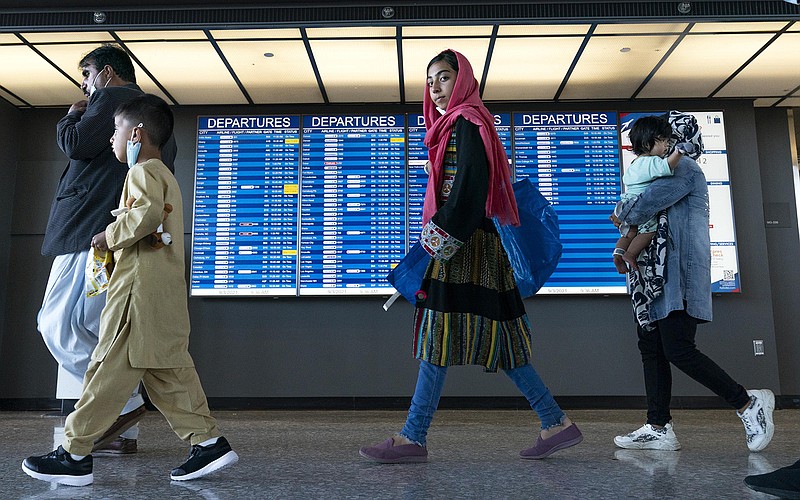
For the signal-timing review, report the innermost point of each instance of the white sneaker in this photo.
(757, 419)
(648, 437)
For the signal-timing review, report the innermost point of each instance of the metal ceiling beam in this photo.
(749, 60)
(314, 66)
(152, 77)
(663, 59)
(400, 13)
(400, 63)
(228, 66)
(489, 53)
(574, 62)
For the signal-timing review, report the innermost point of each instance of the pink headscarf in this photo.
(466, 101)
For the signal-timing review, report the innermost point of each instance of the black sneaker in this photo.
(205, 460)
(784, 482)
(60, 468)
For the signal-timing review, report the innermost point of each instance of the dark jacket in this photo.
(91, 184)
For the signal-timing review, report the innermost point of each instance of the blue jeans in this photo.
(430, 382)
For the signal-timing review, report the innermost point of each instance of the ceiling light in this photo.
(625, 49)
(268, 54)
(100, 17)
(684, 7)
(387, 12)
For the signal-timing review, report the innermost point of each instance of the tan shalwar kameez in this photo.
(144, 328)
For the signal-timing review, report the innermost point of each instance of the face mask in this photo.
(92, 88)
(133, 148)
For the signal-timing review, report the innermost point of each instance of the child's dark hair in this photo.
(111, 55)
(447, 56)
(154, 115)
(646, 131)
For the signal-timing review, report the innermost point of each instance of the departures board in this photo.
(573, 159)
(244, 236)
(302, 205)
(352, 203)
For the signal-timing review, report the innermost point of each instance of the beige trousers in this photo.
(176, 392)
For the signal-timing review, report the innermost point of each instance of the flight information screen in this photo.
(244, 236)
(328, 204)
(574, 160)
(417, 178)
(352, 203)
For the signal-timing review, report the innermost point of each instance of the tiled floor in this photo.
(473, 454)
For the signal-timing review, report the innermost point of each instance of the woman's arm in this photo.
(662, 193)
(465, 208)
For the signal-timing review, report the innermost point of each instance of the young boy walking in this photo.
(144, 328)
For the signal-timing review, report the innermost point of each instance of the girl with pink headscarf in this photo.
(468, 310)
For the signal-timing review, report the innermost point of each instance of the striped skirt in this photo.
(471, 312)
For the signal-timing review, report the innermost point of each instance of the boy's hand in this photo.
(99, 241)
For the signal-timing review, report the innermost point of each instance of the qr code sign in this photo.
(727, 275)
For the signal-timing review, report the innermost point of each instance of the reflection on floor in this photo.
(473, 454)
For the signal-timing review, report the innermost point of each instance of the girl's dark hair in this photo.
(447, 56)
(646, 130)
(154, 115)
(113, 56)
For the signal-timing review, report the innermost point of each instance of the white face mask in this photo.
(132, 149)
(92, 88)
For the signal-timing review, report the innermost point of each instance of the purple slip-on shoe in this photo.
(546, 447)
(386, 453)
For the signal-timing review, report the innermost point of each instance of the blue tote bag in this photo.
(534, 247)
(407, 276)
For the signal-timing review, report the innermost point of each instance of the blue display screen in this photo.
(329, 204)
(244, 236)
(352, 203)
(574, 160)
(417, 178)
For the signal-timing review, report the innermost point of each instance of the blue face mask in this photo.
(133, 148)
